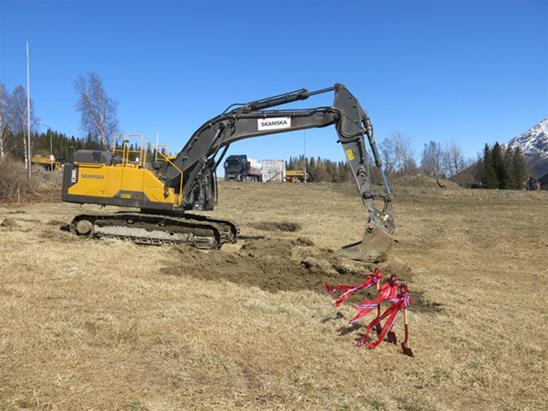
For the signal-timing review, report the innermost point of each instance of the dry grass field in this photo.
(98, 325)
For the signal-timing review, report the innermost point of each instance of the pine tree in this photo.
(330, 171)
(508, 157)
(519, 167)
(311, 168)
(489, 174)
(499, 166)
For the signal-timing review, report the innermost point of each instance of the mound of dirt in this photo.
(56, 222)
(271, 264)
(9, 223)
(279, 265)
(277, 226)
(426, 182)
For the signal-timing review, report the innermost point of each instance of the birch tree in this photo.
(454, 160)
(432, 159)
(97, 110)
(388, 155)
(4, 123)
(17, 114)
(398, 154)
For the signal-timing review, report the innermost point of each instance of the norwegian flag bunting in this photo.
(403, 301)
(396, 294)
(387, 292)
(372, 278)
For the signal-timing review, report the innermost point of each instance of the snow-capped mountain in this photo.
(534, 145)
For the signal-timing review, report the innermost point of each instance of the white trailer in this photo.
(255, 167)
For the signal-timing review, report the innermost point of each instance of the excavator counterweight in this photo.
(166, 189)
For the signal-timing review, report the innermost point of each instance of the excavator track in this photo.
(197, 231)
(229, 231)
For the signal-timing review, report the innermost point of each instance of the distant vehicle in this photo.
(48, 162)
(239, 167)
(295, 176)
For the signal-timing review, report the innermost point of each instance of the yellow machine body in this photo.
(292, 176)
(120, 180)
(125, 180)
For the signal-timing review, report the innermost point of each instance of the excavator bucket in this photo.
(376, 243)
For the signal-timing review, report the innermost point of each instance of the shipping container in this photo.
(273, 171)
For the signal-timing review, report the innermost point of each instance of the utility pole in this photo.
(156, 148)
(304, 138)
(29, 149)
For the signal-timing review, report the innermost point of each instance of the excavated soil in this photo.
(277, 226)
(278, 265)
(270, 264)
(9, 222)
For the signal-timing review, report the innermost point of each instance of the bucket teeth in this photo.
(375, 243)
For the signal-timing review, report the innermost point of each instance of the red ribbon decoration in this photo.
(402, 302)
(388, 291)
(372, 278)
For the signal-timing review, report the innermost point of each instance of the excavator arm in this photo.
(204, 151)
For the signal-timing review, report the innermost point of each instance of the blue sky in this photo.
(464, 71)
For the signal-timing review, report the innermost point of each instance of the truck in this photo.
(238, 167)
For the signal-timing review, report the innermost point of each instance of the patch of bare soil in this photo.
(285, 265)
(270, 264)
(56, 223)
(284, 226)
(426, 182)
(9, 222)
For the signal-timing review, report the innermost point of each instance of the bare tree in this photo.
(4, 123)
(404, 153)
(453, 159)
(432, 159)
(17, 114)
(398, 154)
(388, 154)
(97, 110)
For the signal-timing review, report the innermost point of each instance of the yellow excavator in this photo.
(47, 161)
(295, 176)
(165, 188)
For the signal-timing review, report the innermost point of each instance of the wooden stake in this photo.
(378, 329)
(405, 344)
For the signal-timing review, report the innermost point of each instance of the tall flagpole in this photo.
(304, 138)
(29, 149)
